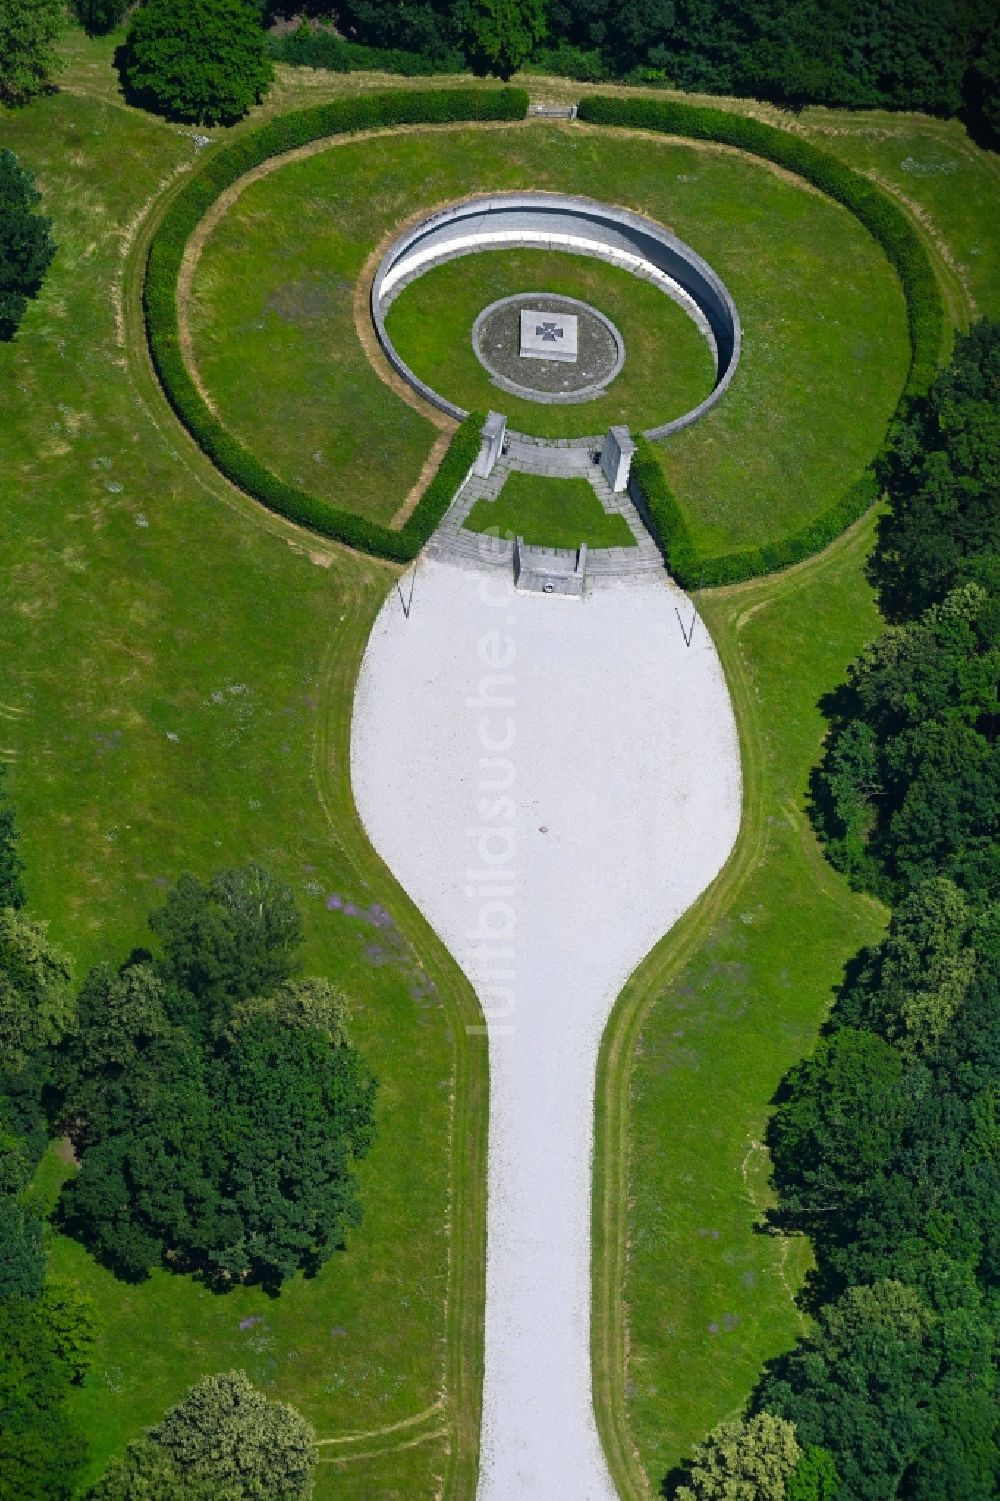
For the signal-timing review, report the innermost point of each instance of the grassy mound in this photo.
(825, 352)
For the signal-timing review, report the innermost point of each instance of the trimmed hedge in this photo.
(657, 505)
(221, 170)
(905, 253)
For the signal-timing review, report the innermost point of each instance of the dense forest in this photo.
(939, 56)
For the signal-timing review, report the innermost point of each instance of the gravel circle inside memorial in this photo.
(601, 348)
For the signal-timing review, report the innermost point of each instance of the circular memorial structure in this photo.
(568, 225)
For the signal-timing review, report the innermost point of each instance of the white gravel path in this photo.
(553, 781)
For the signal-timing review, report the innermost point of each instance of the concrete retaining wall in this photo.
(571, 225)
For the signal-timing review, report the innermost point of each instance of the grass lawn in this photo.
(668, 365)
(949, 186)
(550, 513)
(177, 671)
(824, 353)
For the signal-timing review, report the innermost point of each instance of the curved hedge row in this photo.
(906, 254)
(414, 107)
(663, 516)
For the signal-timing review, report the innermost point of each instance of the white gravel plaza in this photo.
(553, 781)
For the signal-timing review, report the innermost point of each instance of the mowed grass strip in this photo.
(177, 680)
(825, 348)
(550, 513)
(701, 1038)
(668, 365)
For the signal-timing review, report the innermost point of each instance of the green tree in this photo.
(239, 1169)
(26, 250)
(982, 88)
(859, 1386)
(910, 783)
(36, 997)
(916, 979)
(886, 1369)
(145, 1472)
(22, 1259)
(41, 1449)
(942, 475)
(292, 1113)
(224, 1441)
(501, 35)
(225, 1428)
(67, 1317)
(24, 1131)
(112, 1067)
(839, 1126)
(101, 16)
(11, 864)
(743, 1460)
(814, 1478)
(199, 60)
(235, 938)
(148, 1191)
(27, 58)
(426, 26)
(311, 1003)
(959, 1459)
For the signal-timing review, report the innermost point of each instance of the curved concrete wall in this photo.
(576, 226)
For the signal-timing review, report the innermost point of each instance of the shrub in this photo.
(905, 253)
(200, 60)
(321, 47)
(166, 252)
(567, 61)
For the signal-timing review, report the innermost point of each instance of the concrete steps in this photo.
(566, 459)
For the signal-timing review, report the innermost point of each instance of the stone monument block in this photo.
(494, 431)
(549, 336)
(550, 570)
(616, 457)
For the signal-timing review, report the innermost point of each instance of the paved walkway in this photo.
(554, 782)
